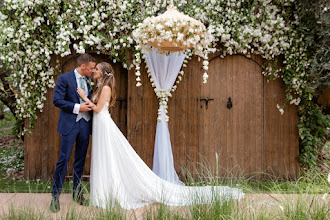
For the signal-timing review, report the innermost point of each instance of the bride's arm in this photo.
(104, 97)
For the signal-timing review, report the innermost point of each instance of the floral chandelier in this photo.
(170, 32)
(173, 31)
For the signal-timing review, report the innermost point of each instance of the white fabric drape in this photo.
(164, 70)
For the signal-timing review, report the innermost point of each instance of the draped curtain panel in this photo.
(164, 71)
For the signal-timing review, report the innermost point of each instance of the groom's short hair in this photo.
(85, 59)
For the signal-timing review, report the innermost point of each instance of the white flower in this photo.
(280, 109)
(325, 195)
(180, 36)
(138, 84)
(159, 27)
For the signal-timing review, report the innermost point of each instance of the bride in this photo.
(118, 175)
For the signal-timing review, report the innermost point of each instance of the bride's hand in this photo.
(90, 104)
(81, 92)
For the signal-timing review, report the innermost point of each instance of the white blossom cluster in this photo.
(163, 99)
(34, 33)
(176, 30)
(27, 55)
(179, 32)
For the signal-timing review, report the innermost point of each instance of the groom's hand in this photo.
(85, 107)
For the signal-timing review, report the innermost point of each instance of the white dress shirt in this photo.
(76, 109)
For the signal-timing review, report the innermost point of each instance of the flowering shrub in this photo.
(33, 32)
(11, 160)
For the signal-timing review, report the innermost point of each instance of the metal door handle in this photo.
(206, 101)
(229, 103)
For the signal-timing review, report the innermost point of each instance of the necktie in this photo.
(82, 85)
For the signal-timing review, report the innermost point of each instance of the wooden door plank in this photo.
(259, 147)
(230, 139)
(192, 78)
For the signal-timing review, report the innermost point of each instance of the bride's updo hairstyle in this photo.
(108, 79)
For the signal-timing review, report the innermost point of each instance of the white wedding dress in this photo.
(119, 176)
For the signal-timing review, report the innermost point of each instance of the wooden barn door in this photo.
(234, 116)
(231, 116)
(223, 116)
(247, 131)
(118, 113)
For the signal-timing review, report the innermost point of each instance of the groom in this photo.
(74, 125)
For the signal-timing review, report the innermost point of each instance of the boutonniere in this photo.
(90, 82)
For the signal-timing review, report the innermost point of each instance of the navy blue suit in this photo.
(65, 97)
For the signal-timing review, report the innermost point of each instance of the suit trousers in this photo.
(80, 135)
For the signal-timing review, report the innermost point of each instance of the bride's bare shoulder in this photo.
(106, 89)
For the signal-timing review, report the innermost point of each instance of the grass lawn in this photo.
(302, 199)
(303, 204)
(33, 186)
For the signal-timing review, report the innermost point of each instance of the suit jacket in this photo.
(65, 97)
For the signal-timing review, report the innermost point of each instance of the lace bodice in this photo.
(105, 108)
